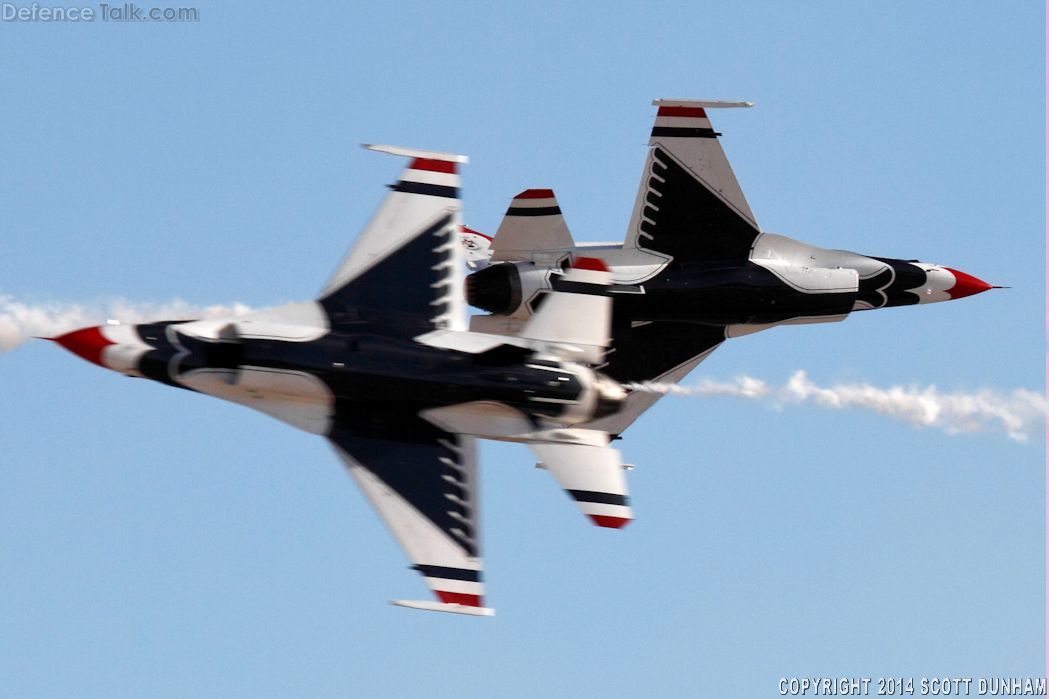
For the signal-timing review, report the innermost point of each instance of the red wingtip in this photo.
(966, 285)
(445, 166)
(682, 112)
(592, 263)
(459, 598)
(536, 194)
(610, 522)
(86, 343)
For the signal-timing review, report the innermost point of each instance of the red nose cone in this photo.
(966, 285)
(87, 343)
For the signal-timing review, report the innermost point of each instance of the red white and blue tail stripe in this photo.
(532, 229)
(431, 177)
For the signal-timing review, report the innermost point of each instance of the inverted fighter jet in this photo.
(382, 366)
(694, 269)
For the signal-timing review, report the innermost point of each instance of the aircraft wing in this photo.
(402, 277)
(659, 351)
(689, 206)
(422, 481)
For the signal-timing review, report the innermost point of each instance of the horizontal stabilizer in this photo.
(578, 325)
(496, 325)
(593, 475)
(443, 607)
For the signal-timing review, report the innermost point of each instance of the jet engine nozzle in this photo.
(496, 289)
(610, 396)
(508, 288)
(601, 396)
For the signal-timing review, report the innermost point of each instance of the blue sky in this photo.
(156, 542)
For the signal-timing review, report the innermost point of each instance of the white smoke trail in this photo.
(21, 321)
(1018, 413)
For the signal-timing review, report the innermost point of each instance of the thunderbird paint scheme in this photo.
(694, 270)
(381, 365)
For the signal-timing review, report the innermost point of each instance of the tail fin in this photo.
(478, 247)
(689, 205)
(532, 229)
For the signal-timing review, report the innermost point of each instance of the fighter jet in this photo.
(694, 269)
(382, 366)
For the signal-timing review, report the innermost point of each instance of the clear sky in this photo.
(155, 542)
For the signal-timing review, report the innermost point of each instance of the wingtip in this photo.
(536, 193)
(416, 153)
(704, 104)
(449, 607)
(610, 522)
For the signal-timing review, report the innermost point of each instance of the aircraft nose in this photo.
(966, 285)
(87, 343)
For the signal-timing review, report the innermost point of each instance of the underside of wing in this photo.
(689, 206)
(422, 482)
(658, 351)
(403, 275)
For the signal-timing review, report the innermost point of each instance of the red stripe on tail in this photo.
(458, 598)
(610, 522)
(536, 194)
(433, 165)
(682, 112)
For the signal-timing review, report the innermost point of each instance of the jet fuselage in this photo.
(783, 280)
(376, 374)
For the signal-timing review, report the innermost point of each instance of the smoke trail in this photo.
(1018, 413)
(20, 321)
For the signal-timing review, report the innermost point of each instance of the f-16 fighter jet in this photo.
(382, 366)
(695, 268)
